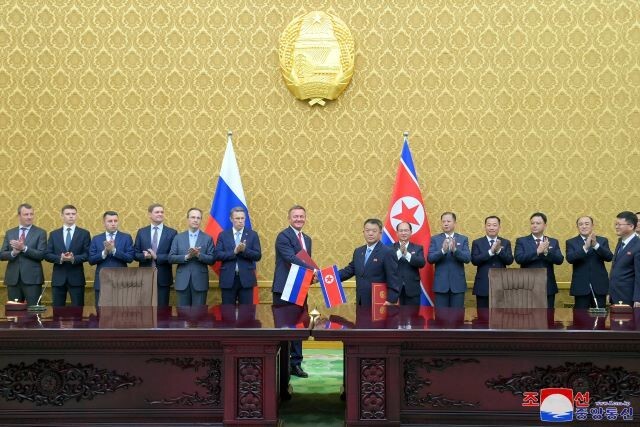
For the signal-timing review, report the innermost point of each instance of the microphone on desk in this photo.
(597, 310)
(37, 307)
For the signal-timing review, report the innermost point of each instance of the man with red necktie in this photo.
(289, 243)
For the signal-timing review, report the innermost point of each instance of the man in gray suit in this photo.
(192, 250)
(24, 248)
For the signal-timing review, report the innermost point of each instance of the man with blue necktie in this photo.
(152, 247)
(193, 251)
(487, 252)
(449, 252)
(624, 277)
(68, 250)
(373, 263)
(113, 248)
(239, 249)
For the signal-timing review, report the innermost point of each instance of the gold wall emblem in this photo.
(316, 57)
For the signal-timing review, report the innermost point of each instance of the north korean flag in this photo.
(331, 286)
(407, 205)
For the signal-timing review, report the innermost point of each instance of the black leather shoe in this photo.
(298, 372)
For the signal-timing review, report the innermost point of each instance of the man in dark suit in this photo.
(239, 249)
(113, 248)
(539, 251)
(449, 252)
(151, 249)
(68, 250)
(588, 253)
(289, 243)
(624, 278)
(193, 251)
(373, 263)
(411, 259)
(489, 251)
(24, 248)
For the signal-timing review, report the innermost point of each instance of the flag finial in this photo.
(229, 133)
(405, 133)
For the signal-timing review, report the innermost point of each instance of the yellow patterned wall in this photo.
(513, 106)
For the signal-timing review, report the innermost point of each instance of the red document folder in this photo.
(378, 298)
(304, 256)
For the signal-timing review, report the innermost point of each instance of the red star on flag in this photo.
(407, 214)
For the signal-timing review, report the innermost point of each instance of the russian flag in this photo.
(297, 285)
(331, 286)
(228, 195)
(407, 206)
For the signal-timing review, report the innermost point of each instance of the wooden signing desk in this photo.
(126, 366)
(448, 367)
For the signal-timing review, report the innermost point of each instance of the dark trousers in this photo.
(237, 294)
(450, 299)
(163, 295)
(407, 300)
(586, 301)
(295, 347)
(59, 294)
(24, 292)
(482, 302)
(190, 296)
(551, 301)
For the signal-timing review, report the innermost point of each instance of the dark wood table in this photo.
(126, 366)
(451, 367)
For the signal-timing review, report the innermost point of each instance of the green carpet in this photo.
(316, 400)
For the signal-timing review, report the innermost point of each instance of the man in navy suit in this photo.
(193, 251)
(289, 243)
(239, 249)
(449, 252)
(68, 250)
(113, 248)
(624, 278)
(588, 253)
(411, 259)
(152, 247)
(24, 248)
(489, 251)
(373, 263)
(539, 251)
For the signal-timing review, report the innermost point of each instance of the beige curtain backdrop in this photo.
(513, 107)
